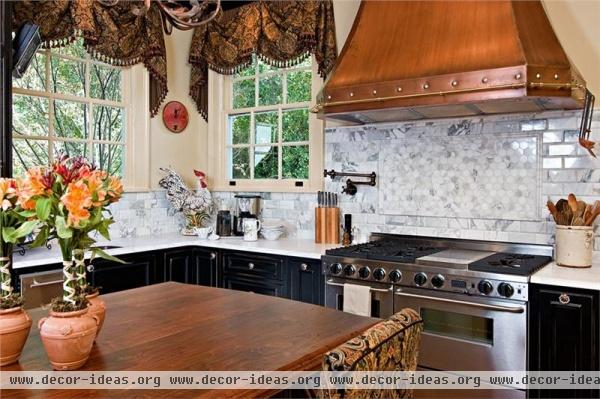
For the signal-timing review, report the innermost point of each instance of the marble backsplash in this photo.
(547, 163)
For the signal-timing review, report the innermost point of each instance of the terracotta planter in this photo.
(97, 308)
(15, 324)
(68, 338)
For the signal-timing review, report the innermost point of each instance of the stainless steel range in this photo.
(472, 295)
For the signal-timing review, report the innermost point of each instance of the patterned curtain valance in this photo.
(116, 35)
(281, 33)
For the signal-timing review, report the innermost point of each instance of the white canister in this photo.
(251, 228)
(574, 245)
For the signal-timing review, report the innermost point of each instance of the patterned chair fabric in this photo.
(391, 345)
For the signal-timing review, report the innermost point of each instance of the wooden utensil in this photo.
(595, 211)
(552, 209)
(572, 200)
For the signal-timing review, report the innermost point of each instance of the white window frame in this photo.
(134, 84)
(219, 109)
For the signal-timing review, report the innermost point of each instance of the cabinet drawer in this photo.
(253, 266)
(257, 287)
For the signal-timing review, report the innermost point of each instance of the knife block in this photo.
(332, 235)
(320, 225)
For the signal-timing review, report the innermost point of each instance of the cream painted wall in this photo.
(187, 150)
(576, 22)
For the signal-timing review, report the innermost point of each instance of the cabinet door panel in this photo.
(308, 284)
(253, 266)
(112, 276)
(206, 261)
(180, 266)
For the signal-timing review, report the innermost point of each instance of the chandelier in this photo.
(183, 15)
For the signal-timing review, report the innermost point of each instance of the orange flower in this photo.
(77, 199)
(37, 182)
(95, 182)
(7, 193)
(115, 188)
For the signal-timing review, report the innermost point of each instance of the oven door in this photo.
(467, 333)
(382, 296)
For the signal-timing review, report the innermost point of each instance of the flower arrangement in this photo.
(70, 199)
(15, 225)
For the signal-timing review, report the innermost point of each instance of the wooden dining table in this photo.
(173, 326)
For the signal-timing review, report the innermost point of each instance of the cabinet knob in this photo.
(90, 268)
(304, 267)
(564, 299)
(250, 265)
(213, 255)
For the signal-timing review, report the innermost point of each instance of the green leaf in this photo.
(27, 214)
(103, 228)
(104, 255)
(42, 208)
(62, 229)
(9, 234)
(41, 238)
(26, 228)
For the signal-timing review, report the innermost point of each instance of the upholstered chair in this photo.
(391, 345)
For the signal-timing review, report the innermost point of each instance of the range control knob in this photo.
(335, 268)
(364, 272)
(395, 276)
(437, 281)
(379, 274)
(349, 270)
(485, 287)
(506, 290)
(420, 279)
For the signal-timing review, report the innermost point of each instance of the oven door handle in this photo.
(330, 282)
(510, 309)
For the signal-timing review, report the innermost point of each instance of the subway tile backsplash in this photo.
(407, 155)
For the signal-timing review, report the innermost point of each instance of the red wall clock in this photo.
(175, 116)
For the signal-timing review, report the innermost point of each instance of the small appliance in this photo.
(247, 206)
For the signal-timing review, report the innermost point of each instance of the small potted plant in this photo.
(72, 204)
(15, 225)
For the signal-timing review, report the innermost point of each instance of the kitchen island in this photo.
(173, 326)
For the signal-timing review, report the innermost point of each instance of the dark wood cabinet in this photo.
(207, 266)
(180, 265)
(564, 334)
(307, 281)
(254, 285)
(250, 272)
(140, 270)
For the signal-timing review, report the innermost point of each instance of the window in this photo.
(68, 103)
(268, 138)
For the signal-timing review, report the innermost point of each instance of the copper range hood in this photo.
(407, 60)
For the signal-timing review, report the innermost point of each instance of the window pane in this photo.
(264, 67)
(70, 149)
(109, 123)
(265, 128)
(105, 83)
(243, 93)
(295, 162)
(269, 90)
(74, 49)
(70, 119)
(35, 75)
(239, 129)
(306, 63)
(247, 71)
(298, 86)
(265, 162)
(295, 125)
(68, 77)
(239, 161)
(110, 157)
(30, 116)
(28, 153)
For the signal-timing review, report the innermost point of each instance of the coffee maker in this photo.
(247, 206)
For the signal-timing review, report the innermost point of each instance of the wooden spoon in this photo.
(564, 215)
(573, 203)
(593, 214)
(552, 209)
(580, 208)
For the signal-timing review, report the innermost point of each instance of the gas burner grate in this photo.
(507, 263)
(387, 250)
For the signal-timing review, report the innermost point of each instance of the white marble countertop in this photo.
(586, 278)
(295, 247)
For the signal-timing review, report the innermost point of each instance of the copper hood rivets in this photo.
(484, 80)
(351, 94)
(426, 86)
(454, 83)
(374, 92)
(399, 89)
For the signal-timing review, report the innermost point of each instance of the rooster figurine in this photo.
(195, 206)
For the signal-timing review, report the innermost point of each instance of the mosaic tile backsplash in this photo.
(446, 176)
(550, 165)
